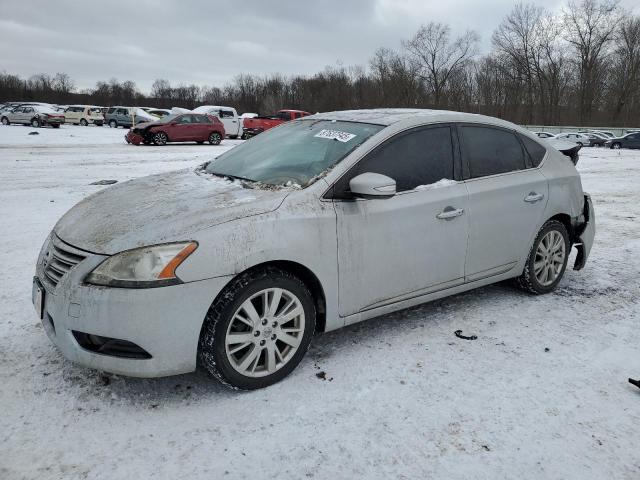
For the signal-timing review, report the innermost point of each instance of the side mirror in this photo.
(372, 185)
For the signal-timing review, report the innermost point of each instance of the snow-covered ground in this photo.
(542, 392)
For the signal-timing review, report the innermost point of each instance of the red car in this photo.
(185, 127)
(253, 126)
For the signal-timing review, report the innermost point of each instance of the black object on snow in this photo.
(458, 333)
(634, 382)
(104, 182)
(34, 133)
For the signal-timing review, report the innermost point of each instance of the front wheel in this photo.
(258, 329)
(215, 138)
(547, 259)
(113, 124)
(160, 138)
(83, 122)
(35, 123)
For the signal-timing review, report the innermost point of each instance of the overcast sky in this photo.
(209, 42)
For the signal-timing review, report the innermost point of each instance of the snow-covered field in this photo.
(542, 392)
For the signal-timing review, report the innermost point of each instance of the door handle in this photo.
(449, 213)
(533, 197)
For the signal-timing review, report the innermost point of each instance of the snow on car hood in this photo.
(160, 208)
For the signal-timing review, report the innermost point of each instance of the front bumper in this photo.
(133, 138)
(585, 233)
(164, 321)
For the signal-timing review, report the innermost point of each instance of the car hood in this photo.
(143, 125)
(161, 208)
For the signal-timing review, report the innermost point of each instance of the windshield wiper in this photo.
(232, 177)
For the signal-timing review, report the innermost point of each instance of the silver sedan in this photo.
(316, 224)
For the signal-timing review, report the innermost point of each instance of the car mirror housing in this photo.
(372, 185)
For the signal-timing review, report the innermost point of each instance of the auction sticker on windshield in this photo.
(335, 135)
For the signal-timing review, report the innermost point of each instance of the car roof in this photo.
(389, 116)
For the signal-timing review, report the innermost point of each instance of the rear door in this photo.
(633, 140)
(402, 247)
(507, 199)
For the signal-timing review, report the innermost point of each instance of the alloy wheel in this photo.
(160, 138)
(215, 138)
(550, 256)
(265, 332)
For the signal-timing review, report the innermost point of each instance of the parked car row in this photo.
(596, 138)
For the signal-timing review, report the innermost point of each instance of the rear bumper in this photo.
(585, 233)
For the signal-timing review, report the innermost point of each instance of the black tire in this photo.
(113, 124)
(160, 139)
(215, 138)
(98, 124)
(528, 281)
(211, 348)
(35, 123)
(5, 121)
(83, 122)
(56, 125)
(616, 145)
(200, 142)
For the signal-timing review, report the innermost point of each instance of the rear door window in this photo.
(491, 151)
(534, 149)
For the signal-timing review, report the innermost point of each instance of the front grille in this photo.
(59, 259)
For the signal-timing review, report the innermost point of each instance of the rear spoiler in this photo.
(568, 149)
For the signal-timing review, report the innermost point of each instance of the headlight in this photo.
(145, 267)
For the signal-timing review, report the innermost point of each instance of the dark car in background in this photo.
(630, 140)
(186, 127)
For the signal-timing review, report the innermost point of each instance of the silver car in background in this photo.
(316, 224)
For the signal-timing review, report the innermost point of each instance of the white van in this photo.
(84, 115)
(227, 115)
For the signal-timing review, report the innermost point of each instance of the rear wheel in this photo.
(5, 121)
(113, 124)
(215, 138)
(616, 145)
(258, 329)
(83, 122)
(160, 138)
(35, 123)
(547, 259)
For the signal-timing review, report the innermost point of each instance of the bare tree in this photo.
(590, 28)
(625, 71)
(516, 38)
(438, 57)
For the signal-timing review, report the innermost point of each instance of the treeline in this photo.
(579, 67)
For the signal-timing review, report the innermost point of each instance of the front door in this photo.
(507, 199)
(402, 247)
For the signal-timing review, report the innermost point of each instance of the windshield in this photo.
(293, 153)
(167, 118)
